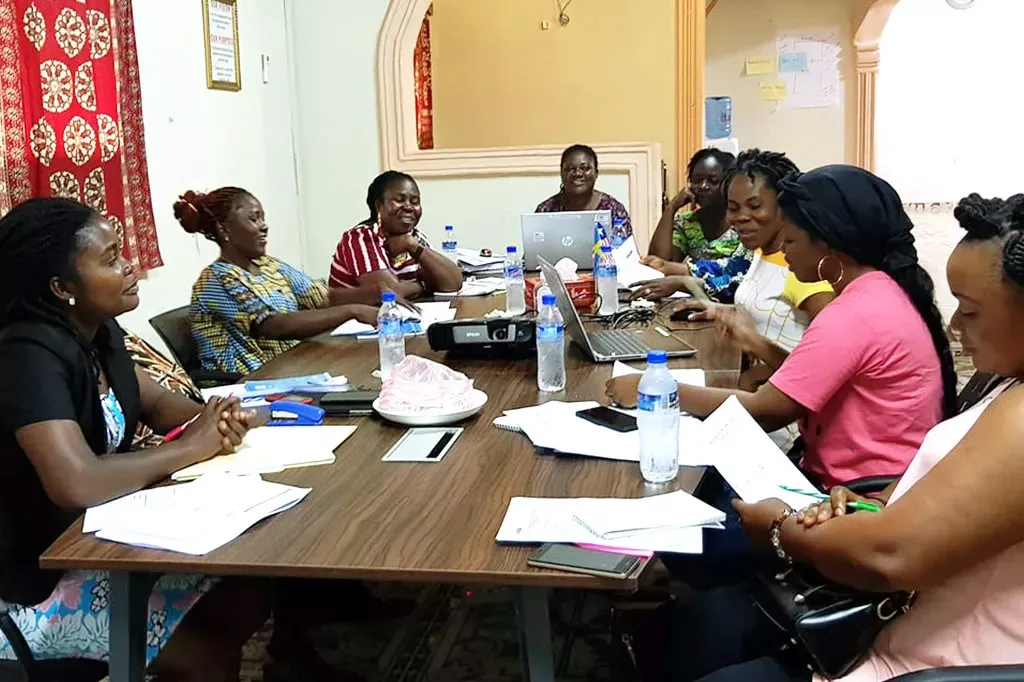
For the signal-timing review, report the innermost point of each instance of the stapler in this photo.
(284, 413)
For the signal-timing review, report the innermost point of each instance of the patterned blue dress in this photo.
(74, 622)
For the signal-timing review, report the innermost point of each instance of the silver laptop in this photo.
(570, 234)
(606, 345)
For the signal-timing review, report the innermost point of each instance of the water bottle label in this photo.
(550, 332)
(388, 327)
(653, 403)
(515, 271)
(449, 246)
(606, 271)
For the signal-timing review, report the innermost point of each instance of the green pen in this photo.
(859, 505)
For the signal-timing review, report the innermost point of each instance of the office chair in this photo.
(984, 673)
(174, 328)
(27, 669)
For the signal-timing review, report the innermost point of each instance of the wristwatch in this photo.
(415, 255)
(775, 535)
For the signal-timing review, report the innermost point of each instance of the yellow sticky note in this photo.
(773, 91)
(759, 65)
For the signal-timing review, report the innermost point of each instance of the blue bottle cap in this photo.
(510, 249)
(547, 299)
(387, 297)
(448, 228)
(657, 357)
(605, 248)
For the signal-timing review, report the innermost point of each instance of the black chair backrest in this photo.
(174, 328)
(979, 385)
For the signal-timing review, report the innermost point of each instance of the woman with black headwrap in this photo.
(873, 372)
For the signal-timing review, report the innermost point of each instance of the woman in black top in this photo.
(70, 399)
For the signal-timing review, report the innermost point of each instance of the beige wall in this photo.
(740, 28)
(500, 80)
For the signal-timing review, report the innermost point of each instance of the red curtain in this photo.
(424, 86)
(72, 113)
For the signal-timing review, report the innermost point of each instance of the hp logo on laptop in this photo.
(567, 241)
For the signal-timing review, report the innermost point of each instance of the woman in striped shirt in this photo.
(386, 251)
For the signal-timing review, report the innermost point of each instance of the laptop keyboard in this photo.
(619, 342)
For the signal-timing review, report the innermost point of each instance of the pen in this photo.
(176, 432)
(859, 505)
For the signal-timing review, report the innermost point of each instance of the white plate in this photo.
(437, 417)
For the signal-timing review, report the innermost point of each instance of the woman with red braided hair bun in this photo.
(248, 307)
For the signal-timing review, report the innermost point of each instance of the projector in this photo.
(497, 337)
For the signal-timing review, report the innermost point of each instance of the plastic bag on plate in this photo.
(420, 385)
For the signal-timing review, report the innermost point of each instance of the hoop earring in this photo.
(821, 276)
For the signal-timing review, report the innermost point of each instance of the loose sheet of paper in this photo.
(430, 313)
(819, 83)
(689, 377)
(614, 519)
(538, 520)
(748, 460)
(478, 286)
(271, 449)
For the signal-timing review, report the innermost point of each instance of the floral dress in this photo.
(719, 263)
(74, 622)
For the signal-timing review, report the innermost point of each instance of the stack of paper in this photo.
(428, 315)
(271, 449)
(191, 518)
(672, 522)
(473, 263)
(476, 286)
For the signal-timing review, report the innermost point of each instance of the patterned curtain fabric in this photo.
(72, 113)
(424, 86)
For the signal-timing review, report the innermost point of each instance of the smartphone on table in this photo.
(578, 560)
(609, 418)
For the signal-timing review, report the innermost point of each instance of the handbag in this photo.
(829, 626)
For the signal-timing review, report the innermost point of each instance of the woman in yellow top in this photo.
(773, 308)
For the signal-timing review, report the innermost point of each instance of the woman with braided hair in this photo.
(248, 307)
(772, 307)
(962, 558)
(70, 399)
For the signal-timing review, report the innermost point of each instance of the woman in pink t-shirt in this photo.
(949, 530)
(873, 371)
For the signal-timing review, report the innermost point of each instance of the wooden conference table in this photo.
(370, 520)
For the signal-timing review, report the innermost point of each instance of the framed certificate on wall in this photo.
(223, 60)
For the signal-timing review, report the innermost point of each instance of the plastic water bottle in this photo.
(658, 420)
(515, 287)
(390, 335)
(607, 276)
(450, 247)
(618, 236)
(542, 290)
(550, 347)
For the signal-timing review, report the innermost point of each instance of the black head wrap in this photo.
(858, 213)
(853, 211)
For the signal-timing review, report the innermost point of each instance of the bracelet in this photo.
(775, 535)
